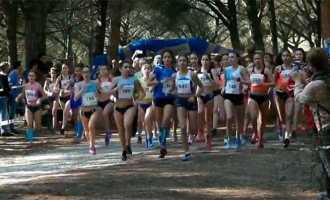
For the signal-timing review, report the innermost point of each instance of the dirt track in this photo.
(271, 173)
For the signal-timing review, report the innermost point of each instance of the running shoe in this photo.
(200, 137)
(107, 138)
(129, 150)
(280, 134)
(62, 131)
(303, 128)
(124, 156)
(214, 132)
(150, 144)
(242, 139)
(92, 150)
(139, 140)
(255, 138)
(228, 144)
(186, 157)
(208, 143)
(260, 145)
(162, 152)
(29, 145)
(286, 143)
(238, 143)
(225, 141)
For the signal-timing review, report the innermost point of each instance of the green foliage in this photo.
(296, 21)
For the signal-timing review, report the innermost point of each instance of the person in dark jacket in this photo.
(4, 96)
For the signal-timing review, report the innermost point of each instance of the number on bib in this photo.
(167, 86)
(257, 79)
(126, 92)
(64, 83)
(31, 95)
(183, 87)
(52, 87)
(204, 80)
(232, 87)
(89, 99)
(106, 87)
(286, 75)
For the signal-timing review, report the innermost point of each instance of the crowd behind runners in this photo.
(193, 92)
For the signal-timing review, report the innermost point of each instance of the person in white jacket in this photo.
(317, 95)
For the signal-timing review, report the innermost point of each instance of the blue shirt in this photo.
(89, 95)
(13, 79)
(161, 72)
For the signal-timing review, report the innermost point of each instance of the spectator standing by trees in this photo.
(4, 95)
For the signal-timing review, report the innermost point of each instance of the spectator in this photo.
(4, 95)
(14, 81)
(317, 95)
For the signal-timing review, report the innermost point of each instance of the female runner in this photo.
(161, 78)
(261, 79)
(284, 102)
(185, 84)
(235, 76)
(125, 106)
(34, 94)
(104, 101)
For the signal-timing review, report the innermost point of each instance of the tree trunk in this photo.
(91, 39)
(273, 26)
(325, 4)
(115, 21)
(10, 15)
(233, 29)
(69, 43)
(100, 27)
(319, 24)
(255, 25)
(35, 18)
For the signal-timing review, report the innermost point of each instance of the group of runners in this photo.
(193, 92)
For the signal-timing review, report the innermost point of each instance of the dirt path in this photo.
(71, 173)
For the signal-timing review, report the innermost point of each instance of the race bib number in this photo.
(52, 87)
(147, 91)
(64, 83)
(105, 86)
(31, 95)
(257, 79)
(286, 75)
(126, 92)
(232, 87)
(167, 87)
(205, 80)
(183, 87)
(89, 99)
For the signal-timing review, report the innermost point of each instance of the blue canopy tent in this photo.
(178, 46)
(155, 46)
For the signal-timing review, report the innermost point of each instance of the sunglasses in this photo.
(85, 72)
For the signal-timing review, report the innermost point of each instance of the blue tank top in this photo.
(74, 104)
(162, 90)
(126, 88)
(233, 86)
(89, 95)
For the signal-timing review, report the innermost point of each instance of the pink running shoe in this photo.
(255, 138)
(92, 150)
(29, 145)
